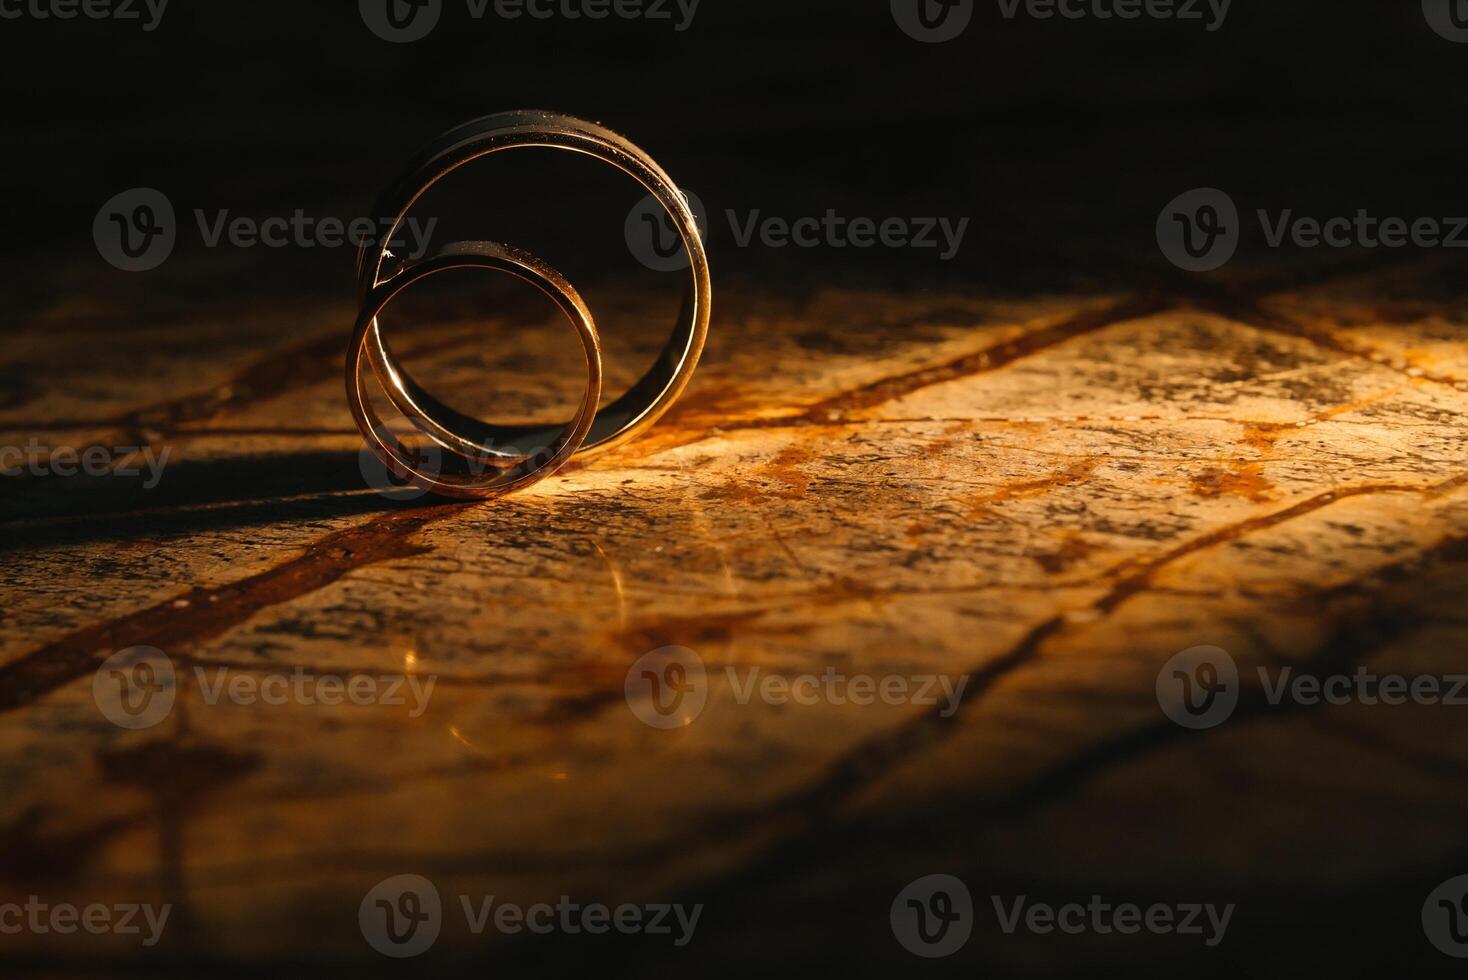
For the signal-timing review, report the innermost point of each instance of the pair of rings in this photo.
(496, 465)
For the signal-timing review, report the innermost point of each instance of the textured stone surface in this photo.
(1046, 497)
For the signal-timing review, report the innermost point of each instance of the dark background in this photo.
(1061, 140)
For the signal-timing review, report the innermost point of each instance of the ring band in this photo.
(642, 404)
(493, 471)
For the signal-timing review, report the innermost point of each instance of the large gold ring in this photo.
(631, 413)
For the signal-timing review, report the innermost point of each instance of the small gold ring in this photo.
(493, 468)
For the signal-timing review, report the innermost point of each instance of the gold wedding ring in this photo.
(484, 474)
(487, 445)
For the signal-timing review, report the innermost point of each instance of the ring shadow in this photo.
(193, 496)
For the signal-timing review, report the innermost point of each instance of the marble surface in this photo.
(1038, 500)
